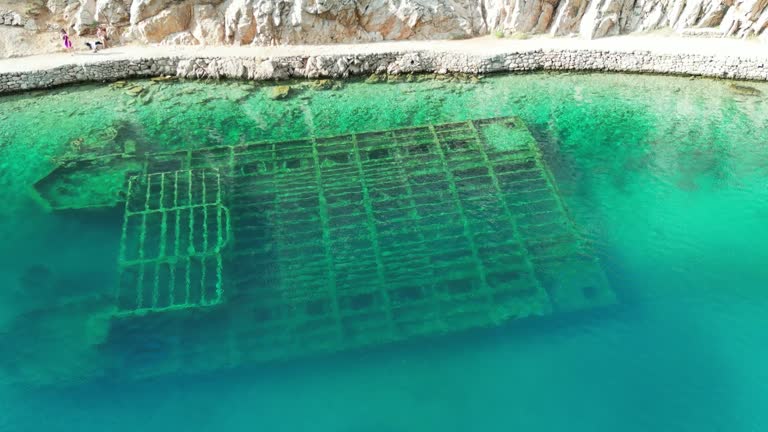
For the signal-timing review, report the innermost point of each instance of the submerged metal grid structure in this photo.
(264, 251)
(174, 230)
(362, 239)
(368, 238)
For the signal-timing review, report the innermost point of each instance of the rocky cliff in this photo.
(264, 22)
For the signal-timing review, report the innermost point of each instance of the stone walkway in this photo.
(635, 53)
(483, 45)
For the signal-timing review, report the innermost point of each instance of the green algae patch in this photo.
(508, 138)
(325, 84)
(165, 78)
(94, 183)
(280, 92)
(744, 90)
(134, 90)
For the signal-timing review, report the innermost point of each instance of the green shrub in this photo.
(519, 36)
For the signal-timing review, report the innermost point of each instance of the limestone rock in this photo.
(269, 22)
(112, 11)
(604, 18)
(239, 23)
(532, 16)
(11, 18)
(712, 14)
(180, 38)
(57, 7)
(143, 9)
(648, 15)
(207, 24)
(85, 16)
(568, 17)
(169, 21)
(746, 18)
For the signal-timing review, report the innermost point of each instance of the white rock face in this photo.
(746, 18)
(85, 15)
(57, 6)
(168, 22)
(207, 25)
(267, 22)
(10, 18)
(143, 9)
(112, 12)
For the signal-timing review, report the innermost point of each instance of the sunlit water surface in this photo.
(668, 177)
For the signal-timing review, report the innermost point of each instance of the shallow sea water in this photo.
(666, 176)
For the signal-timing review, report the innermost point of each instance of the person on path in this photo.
(101, 35)
(94, 45)
(67, 42)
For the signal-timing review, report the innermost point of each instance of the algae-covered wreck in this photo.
(268, 250)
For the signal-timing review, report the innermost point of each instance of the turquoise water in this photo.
(666, 177)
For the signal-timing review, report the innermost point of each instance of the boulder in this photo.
(113, 11)
(207, 24)
(57, 7)
(144, 9)
(85, 16)
(280, 92)
(746, 18)
(169, 21)
(180, 38)
(568, 16)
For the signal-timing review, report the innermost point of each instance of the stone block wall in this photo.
(339, 66)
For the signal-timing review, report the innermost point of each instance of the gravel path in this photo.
(484, 46)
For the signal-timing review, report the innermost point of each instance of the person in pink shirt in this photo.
(67, 42)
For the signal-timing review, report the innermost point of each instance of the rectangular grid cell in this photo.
(175, 227)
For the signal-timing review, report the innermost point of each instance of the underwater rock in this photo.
(129, 146)
(129, 134)
(280, 92)
(134, 91)
(76, 145)
(325, 84)
(744, 90)
(373, 79)
(36, 279)
(463, 77)
(394, 79)
(426, 77)
(162, 78)
(108, 134)
(96, 143)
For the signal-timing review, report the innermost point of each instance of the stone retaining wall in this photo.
(335, 66)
